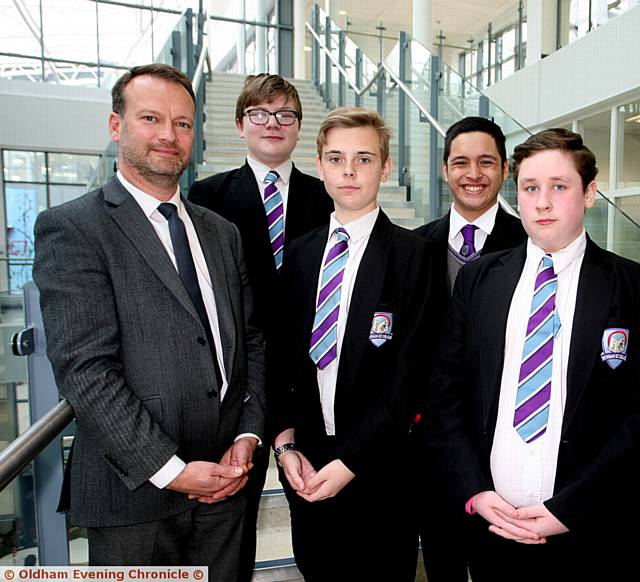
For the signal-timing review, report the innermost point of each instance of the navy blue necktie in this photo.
(188, 274)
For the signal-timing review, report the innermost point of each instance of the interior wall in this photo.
(598, 68)
(42, 116)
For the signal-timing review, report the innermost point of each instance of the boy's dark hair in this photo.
(469, 124)
(558, 139)
(265, 87)
(156, 70)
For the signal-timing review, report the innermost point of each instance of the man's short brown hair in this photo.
(348, 117)
(562, 140)
(265, 87)
(156, 70)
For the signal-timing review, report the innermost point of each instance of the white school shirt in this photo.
(485, 224)
(359, 231)
(524, 474)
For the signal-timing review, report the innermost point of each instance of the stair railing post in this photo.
(402, 112)
(315, 50)
(358, 76)
(435, 186)
(328, 65)
(342, 36)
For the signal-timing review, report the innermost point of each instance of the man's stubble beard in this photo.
(161, 172)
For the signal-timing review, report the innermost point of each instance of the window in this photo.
(34, 181)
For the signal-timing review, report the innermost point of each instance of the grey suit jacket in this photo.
(130, 355)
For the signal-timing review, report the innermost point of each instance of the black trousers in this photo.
(207, 535)
(363, 533)
(441, 522)
(600, 556)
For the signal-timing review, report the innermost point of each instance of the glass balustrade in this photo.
(444, 94)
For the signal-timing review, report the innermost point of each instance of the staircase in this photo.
(225, 149)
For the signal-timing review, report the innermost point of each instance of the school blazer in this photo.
(235, 196)
(377, 385)
(599, 447)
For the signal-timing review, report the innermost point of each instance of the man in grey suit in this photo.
(147, 312)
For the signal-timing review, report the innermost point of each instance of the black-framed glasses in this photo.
(262, 116)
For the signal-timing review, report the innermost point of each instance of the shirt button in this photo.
(201, 341)
(212, 393)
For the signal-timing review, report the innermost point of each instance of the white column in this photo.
(241, 43)
(299, 37)
(541, 29)
(261, 38)
(423, 23)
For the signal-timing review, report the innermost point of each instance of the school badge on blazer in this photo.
(614, 346)
(381, 328)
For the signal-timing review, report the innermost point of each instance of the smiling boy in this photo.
(356, 295)
(535, 416)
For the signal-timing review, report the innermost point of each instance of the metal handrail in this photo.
(204, 59)
(384, 68)
(21, 451)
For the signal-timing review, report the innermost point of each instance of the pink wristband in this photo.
(468, 506)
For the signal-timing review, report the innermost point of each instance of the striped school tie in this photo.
(534, 383)
(274, 208)
(324, 336)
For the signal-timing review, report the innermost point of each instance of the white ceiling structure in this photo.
(458, 19)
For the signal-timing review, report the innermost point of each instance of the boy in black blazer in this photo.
(271, 202)
(356, 295)
(474, 166)
(535, 414)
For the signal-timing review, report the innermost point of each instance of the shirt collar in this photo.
(148, 203)
(260, 170)
(485, 222)
(358, 228)
(562, 258)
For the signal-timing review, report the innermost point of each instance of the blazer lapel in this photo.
(440, 232)
(365, 296)
(492, 316)
(130, 218)
(589, 321)
(245, 191)
(209, 242)
(495, 241)
(297, 208)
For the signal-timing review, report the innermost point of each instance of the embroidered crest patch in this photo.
(614, 346)
(381, 328)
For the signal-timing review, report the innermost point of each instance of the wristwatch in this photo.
(283, 449)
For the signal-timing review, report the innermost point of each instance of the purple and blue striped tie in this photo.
(534, 383)
(274, 208)
(324, 336)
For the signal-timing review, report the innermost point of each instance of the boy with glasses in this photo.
(271, 202)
